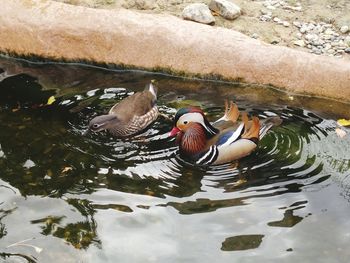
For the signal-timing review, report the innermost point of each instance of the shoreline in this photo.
(121, 37)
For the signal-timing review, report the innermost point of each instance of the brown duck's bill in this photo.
(174, 132)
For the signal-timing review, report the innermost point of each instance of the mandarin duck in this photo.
(225, 140)
(130, 116)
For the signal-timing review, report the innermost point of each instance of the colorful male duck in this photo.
(223, 141)
(130, 116)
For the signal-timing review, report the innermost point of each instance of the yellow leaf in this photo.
(67, 169)
(343, 122)
(240, 182)
(51, 100)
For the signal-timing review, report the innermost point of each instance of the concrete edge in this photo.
(59, 31)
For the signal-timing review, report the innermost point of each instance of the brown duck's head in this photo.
(103, 122)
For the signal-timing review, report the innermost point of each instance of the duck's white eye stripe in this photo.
(191, 117)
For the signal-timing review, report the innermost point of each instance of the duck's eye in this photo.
(95, 126)
(185, 122)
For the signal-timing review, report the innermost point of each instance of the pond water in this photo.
(65, 197)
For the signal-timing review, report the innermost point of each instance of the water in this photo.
(65, 197)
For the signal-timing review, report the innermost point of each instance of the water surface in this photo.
(65, 197)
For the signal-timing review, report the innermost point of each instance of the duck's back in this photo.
(138, 104)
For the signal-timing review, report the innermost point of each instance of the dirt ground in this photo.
(334, 12)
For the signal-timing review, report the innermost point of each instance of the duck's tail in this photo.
(267, 124)
(231, 112)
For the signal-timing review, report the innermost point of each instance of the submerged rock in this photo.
(199, 13)
(225, 8)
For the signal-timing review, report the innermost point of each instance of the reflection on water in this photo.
(99, 199)
(242, 242)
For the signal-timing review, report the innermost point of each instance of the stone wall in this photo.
(59, 31)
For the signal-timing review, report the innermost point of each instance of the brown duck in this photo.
(130, 116)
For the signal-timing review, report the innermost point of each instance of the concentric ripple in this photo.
(95, 191)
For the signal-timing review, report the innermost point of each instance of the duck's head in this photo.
(103, 122)
(185, 117)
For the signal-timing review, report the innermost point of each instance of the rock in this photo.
(329, 31)
(299, 43)
(275, 41)
(286, 24)
(141, 4)
(311, 37)
(303, 29)
(198, 12)
(276, 19)
(255, 35)
(331, 51)
(225, 8)
(264, 12)
(265, 18)
(347, 50)
(299, 35)
(347, 40)
(344, 29)
(327, 37)
(297, 24)
(327, 46)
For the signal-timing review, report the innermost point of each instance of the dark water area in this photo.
(65, 197)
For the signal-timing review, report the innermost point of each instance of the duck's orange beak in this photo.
(174, 132)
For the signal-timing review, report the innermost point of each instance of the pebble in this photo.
(318, 37)
(255, 35)
(297, 24)
(329, 31)
(303, 29)
(286, 23)
(198, 12)
(344, 29)
(327, 46)
(225, 8)
(264, 12)
(299, 43)
(265, 18)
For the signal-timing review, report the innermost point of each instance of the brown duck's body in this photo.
(130, 116)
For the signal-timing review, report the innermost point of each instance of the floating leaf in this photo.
(240, 182)
(343, 122)
(51, 100)
(67, 169)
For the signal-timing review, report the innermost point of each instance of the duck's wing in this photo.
(219, 143)
(138, 104)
